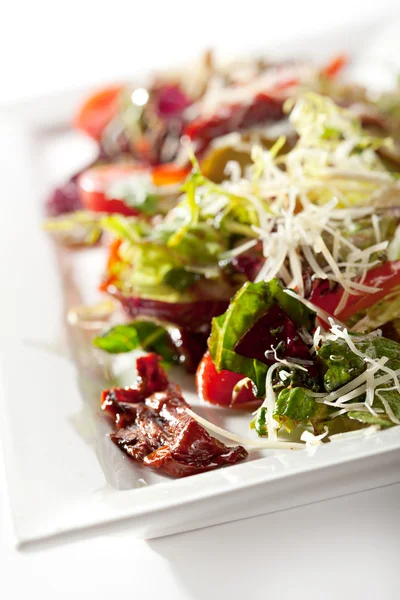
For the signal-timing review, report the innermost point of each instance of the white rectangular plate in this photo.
(64, 473)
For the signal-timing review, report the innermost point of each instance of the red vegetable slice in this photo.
(169, 174)
(217, 388)
(335, 66)
(93, 184)
(154, 428)
(263, 107)
(97, 111)
(385, 277)
(273, 330)
(170, 101)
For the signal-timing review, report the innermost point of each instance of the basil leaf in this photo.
(139, 334)
(250, 303)
(147, 205)
(294, 406)
(260, 422)
(367, 417)
(340, 364)
(180, 279)
(295, 310)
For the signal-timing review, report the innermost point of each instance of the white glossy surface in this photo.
(295, 551)
(291, 553)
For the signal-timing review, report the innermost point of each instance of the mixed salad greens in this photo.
(253, 215)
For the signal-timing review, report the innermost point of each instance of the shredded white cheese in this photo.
(298, 207)
(313, 440)
(249, 443)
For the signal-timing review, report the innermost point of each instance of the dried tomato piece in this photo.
(154, 428)
(151, 378)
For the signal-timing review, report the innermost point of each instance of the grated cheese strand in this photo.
(269, 402)
(249, 443)
(322, 314)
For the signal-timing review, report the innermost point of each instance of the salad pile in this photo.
(252, 216)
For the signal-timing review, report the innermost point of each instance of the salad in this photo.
(252, 218)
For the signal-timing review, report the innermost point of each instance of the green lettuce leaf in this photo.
(150, 273)
(76, 228)
(295, 405)
(152, 268)
(201, 245)
(129, 229)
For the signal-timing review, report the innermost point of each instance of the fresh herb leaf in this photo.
(260, 422)
(250, 303)
(139, 334)
(124, 228)
(367, 417)
(80, 227)
(147, 205)
(295, 406)
(296, 310)
(180, 279)
(339, 363)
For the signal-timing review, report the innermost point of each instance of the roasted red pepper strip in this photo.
(335, 66)
(97, 111)
(263, 107)
(112, 266)
(169, 174)
(385, 277)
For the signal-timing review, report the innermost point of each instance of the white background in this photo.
(50, 46)
(347, 547)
